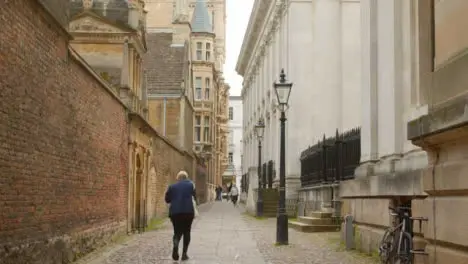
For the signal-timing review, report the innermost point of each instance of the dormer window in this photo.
(199, 51)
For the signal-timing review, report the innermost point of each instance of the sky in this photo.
(238, 14)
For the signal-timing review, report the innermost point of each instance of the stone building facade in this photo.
(235, 136)
(317, 44)
(83, 165)
(197, 28)
(413, 145)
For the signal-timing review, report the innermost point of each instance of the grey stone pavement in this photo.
(224, 234)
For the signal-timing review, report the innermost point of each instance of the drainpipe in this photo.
(164, 115)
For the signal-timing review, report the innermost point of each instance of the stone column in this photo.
(390, 112)
(327, 57)
(326, 198)
(369, 102)
(297, 63)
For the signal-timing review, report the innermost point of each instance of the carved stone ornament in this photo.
(87, 4)
(88, 24)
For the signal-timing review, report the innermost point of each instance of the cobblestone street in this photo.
(223, 234)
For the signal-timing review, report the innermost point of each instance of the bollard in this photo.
(349, 232)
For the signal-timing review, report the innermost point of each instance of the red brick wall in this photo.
(167, 162)
(63, 145)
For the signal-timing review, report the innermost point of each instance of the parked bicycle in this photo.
(396, 246)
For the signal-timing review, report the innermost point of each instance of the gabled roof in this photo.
(115, 11)
(201, 19)
(163, 64)
(115, 25)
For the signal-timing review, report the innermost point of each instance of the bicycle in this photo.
(396, 246)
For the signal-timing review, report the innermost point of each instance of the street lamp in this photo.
(283, 90)
(259, 130)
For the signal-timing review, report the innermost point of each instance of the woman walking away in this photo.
(234, 194)
(180, 196)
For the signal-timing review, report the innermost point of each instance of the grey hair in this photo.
(182, 175)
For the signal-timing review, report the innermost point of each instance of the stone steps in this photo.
(316, 222)
(307, 228)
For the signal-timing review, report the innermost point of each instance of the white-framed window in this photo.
(197, 128)
(231, 157)
(208, 51)
(231, 113)
(199, 51)
(206, 132)
(207, 88)
(198, 88)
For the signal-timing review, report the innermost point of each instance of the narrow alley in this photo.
(224, 234)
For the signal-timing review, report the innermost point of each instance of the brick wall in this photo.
(167, 162)
(63, 150)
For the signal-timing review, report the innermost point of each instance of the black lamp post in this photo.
(283, 90)
(259, 130)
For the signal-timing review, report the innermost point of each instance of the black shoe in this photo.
(184, 256)
(175, 253)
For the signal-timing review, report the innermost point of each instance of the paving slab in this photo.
(224, 234)
(219, 235)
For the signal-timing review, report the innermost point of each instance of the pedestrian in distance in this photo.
(219, 191)
(182, 210)
(234, 194)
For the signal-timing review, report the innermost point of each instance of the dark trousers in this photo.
(182, 224)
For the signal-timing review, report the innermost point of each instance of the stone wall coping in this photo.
(450, 116)
(405, 183)
(320, 186)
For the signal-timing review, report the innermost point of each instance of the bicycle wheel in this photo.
(405, 256)
(387, 246)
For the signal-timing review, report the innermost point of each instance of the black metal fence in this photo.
(332, 159)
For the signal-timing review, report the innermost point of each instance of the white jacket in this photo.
(234, 191)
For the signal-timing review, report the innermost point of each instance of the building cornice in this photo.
(263, 24)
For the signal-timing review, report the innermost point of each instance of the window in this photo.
(199, 50)
(231, 137)
(198, 88)
(206, 132)
(231, 157)
(231, 113)
(197, 128)
(213, 20)
(208, 51)
(207, 88)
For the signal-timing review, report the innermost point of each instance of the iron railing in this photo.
(332, 159)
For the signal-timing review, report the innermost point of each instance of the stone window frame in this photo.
(197, 126)
(199, 50)
(208, 48)
(231, 157)
(198, 89)
(207, 88)
(206, 129)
